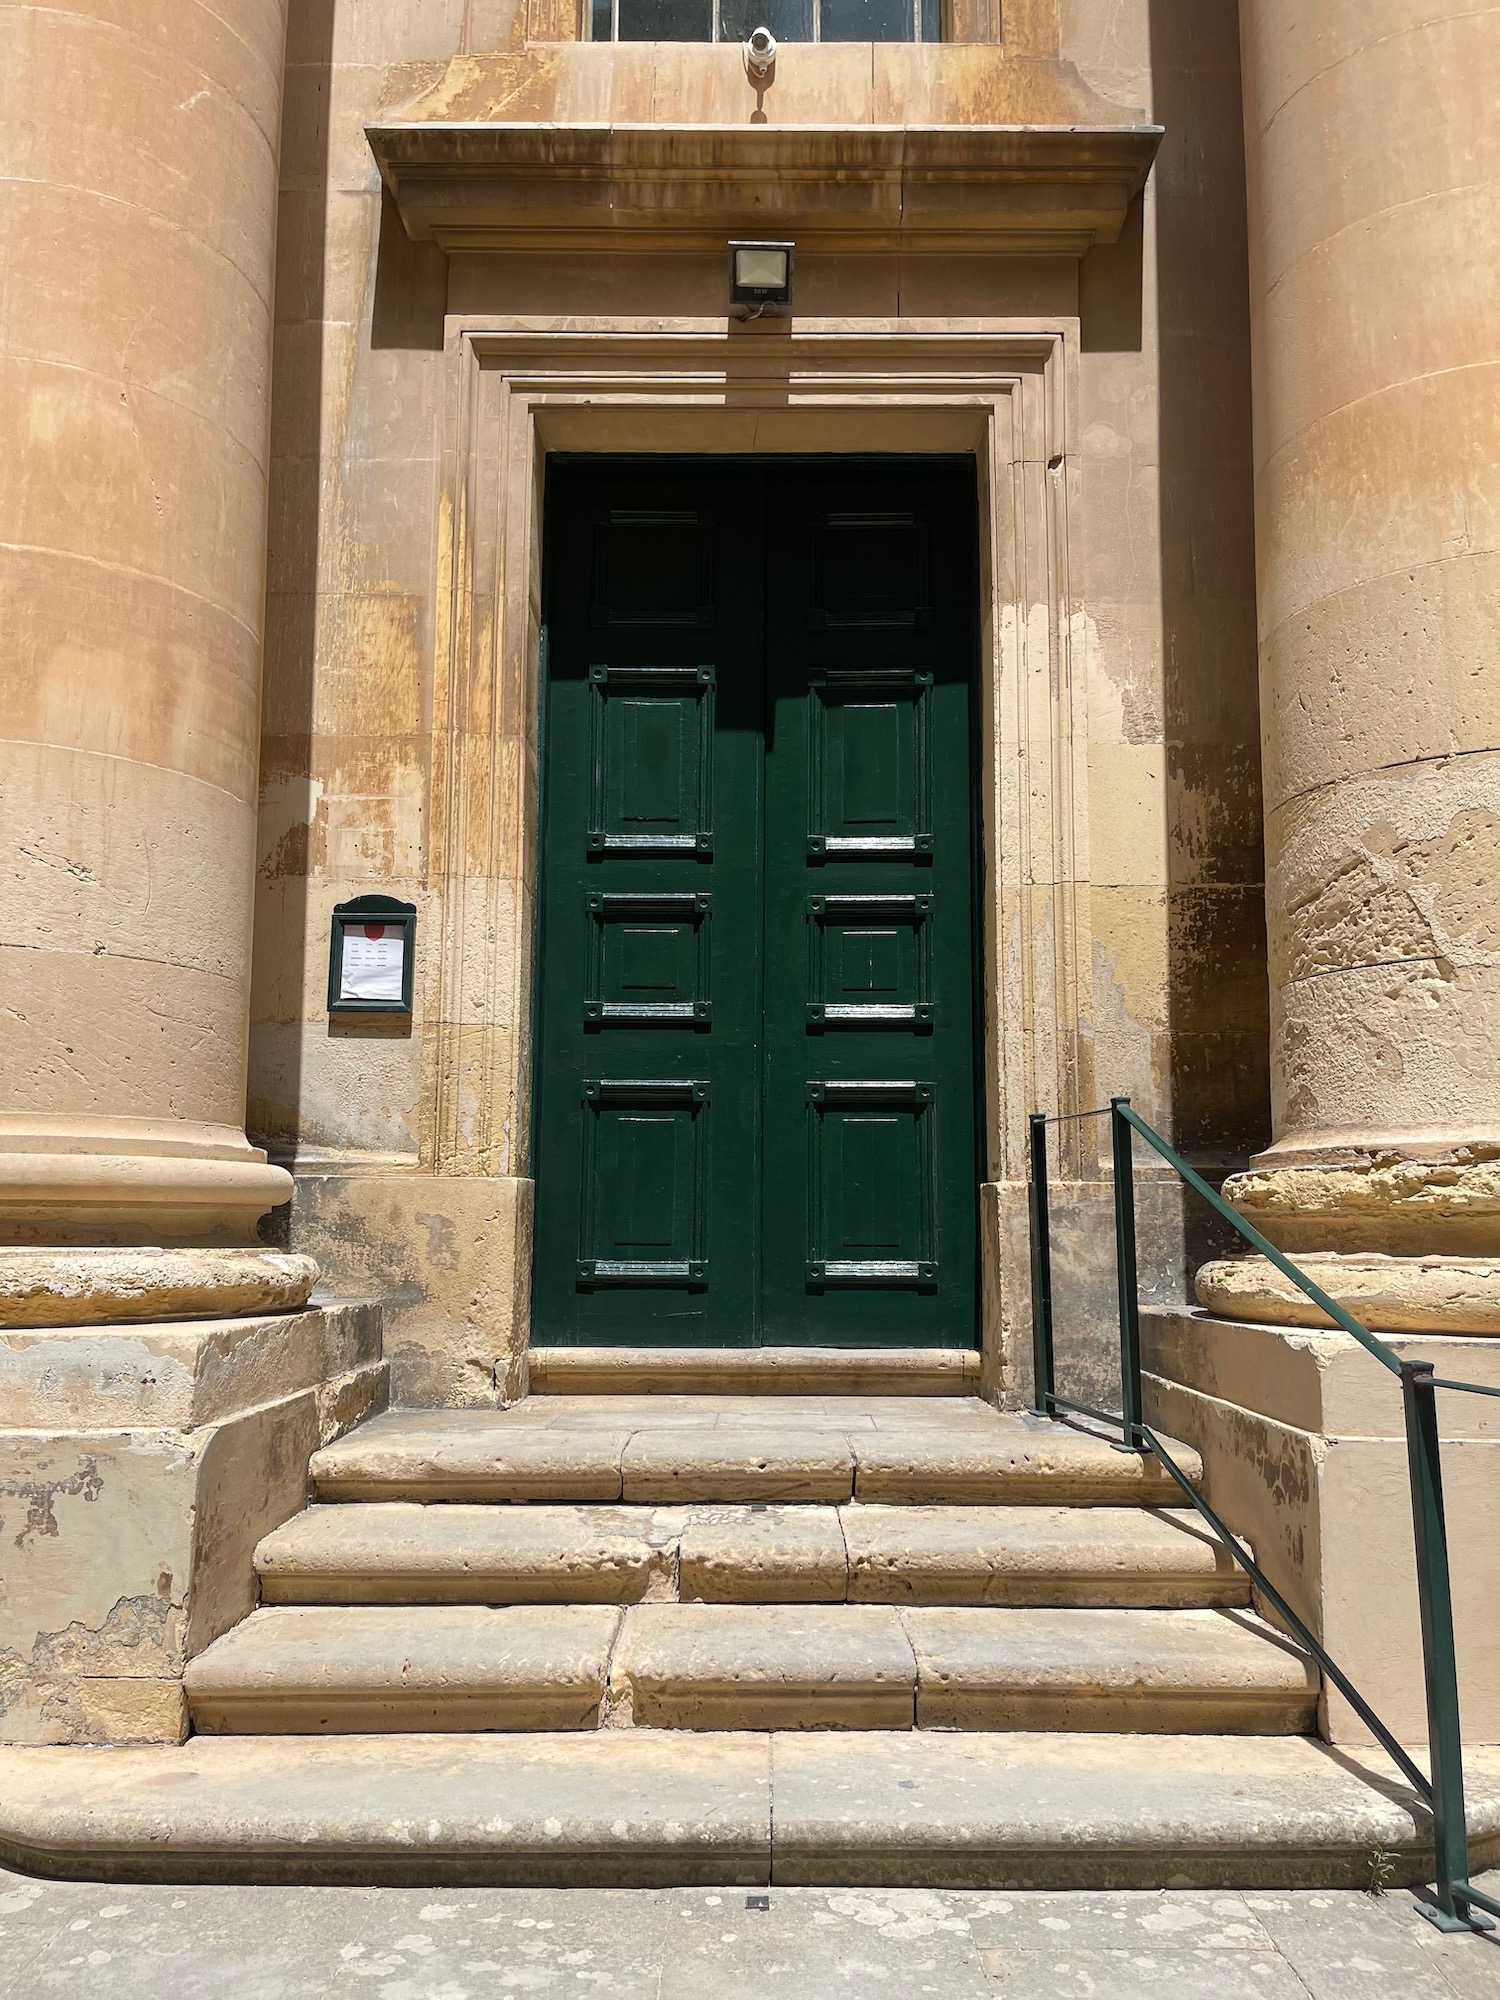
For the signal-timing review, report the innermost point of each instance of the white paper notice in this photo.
(374, 960)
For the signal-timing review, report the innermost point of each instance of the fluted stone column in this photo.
(1374, 193)
(138, 172)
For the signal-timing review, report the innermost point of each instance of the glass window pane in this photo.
(601, 27)
(666, 20)
(932, 20)
(788, 20)
(869, 20)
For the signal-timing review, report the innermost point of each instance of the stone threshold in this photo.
(754, 1371)
(1001, 1811)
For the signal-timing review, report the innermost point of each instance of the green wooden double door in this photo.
(756, 1092)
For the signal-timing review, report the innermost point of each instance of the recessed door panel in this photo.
(644, 1216)
(869, 961)
(651, 759)
(653, 567)
(648, 960)
(755, 1083)
(870, 570)
(869, 778)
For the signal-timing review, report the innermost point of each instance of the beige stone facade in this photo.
(1036, 318)
(299, 300)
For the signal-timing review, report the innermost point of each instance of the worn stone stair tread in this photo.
(648, 1451)
(762, 1555)
(1013, 1465)
(763, 1666)
(399, 1552)
(919, 1554)
(639, 1808)
(868, 1666)
(1092, 1669)
(310, 1669)
(465, 1455)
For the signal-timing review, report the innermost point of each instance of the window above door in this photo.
(788, 20)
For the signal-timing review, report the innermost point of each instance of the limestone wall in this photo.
(411, 1147)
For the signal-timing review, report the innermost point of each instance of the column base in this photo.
(1459, 1295)
(67, 1180)
(1407, 1195)
(106, 1287)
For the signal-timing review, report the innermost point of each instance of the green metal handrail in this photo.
(1458, 1905)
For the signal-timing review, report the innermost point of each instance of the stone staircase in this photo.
(860, 1563)
(678, 1638)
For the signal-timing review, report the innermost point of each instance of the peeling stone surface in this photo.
(1402, 1206)
(127, 1544)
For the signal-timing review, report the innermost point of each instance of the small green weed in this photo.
(1382, 1869)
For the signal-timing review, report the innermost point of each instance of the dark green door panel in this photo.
(649, 1011)
(756, 1084)
(869, 1122)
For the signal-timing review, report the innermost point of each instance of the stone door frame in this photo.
(518, 389)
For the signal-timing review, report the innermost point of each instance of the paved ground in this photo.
(84, 1940)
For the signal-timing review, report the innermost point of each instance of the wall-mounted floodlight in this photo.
(760, 279)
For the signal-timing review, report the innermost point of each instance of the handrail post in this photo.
(1043, 1373)
(1450, 1834)
(1126, 1275)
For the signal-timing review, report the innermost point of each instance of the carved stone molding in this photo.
(519, 389)
(977, 189)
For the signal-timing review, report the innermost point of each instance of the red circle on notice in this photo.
(374, 930)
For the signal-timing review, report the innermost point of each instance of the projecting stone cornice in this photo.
(966, 188)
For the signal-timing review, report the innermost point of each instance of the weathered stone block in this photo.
(138, 1469)
(1303, 1445)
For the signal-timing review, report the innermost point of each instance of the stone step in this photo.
(343, 1669)
(655, 1450)
(754, 1371)
(639, 1808)
(397, 1552)
(868, 1666)
(313, 1670)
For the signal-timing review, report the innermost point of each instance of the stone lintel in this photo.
(981, 189)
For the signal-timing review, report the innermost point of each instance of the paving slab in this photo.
(314, 1669)
(1137, 1974)
(1011, 1461)
(1035, 1555)
(467, 1455)
(399, 1552)
(634, 1809)
(731, 1666)
(1018, 1667)
(1366, 1954)
(796, 1465)
(107, 1941)
(762, 1555)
